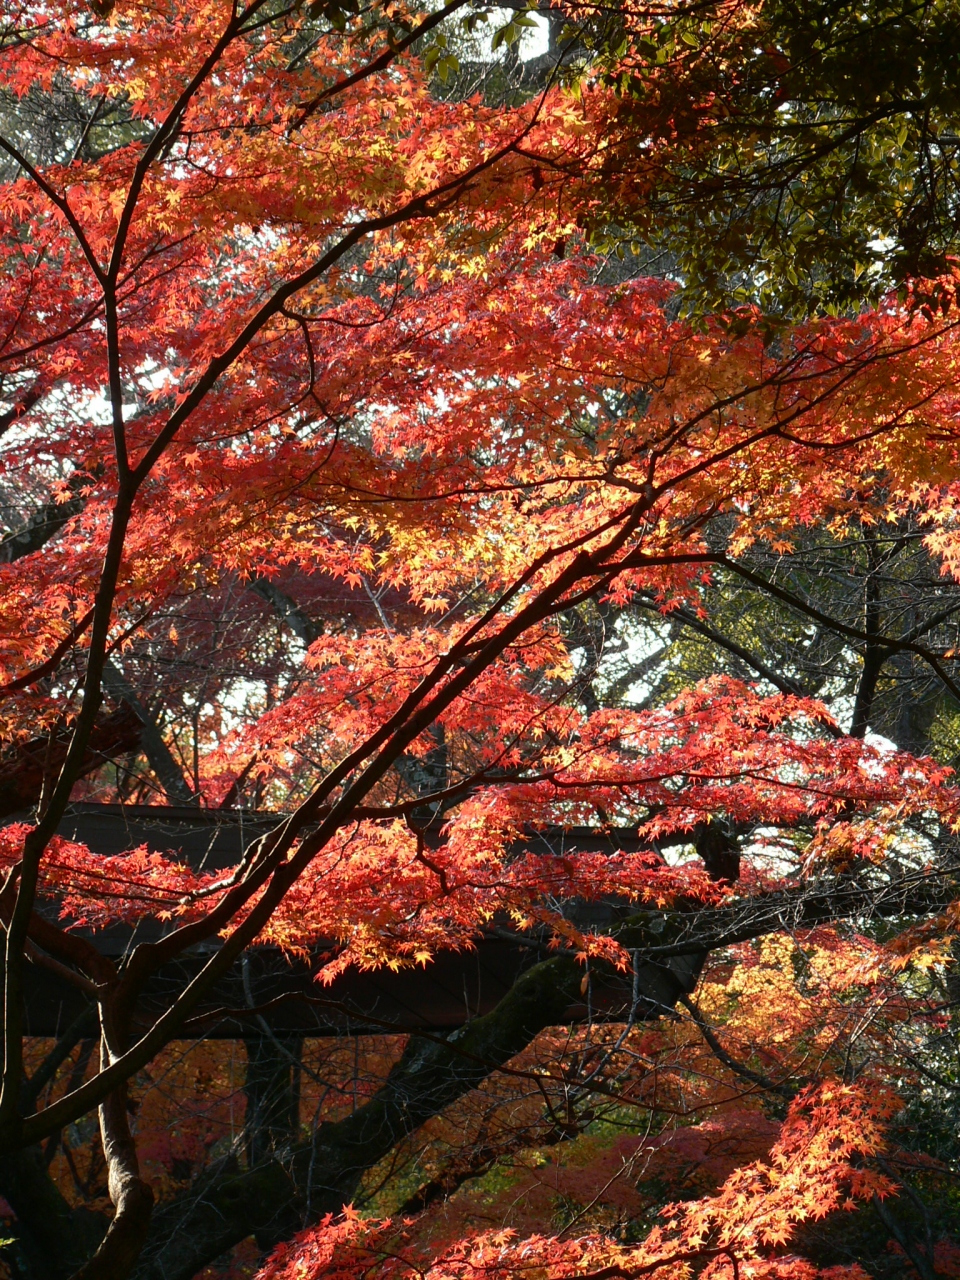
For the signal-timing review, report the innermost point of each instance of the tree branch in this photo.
(160, 756)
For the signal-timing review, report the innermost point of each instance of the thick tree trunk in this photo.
(132, 1198)
(53, 1240)
(272, 1089)
(274, 1198)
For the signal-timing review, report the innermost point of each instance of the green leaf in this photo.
(506, 35)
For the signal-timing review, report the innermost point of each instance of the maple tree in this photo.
(811, 140)
(354, 483)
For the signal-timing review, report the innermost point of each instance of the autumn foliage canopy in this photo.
(378, 449)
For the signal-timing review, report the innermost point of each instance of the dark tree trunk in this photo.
(272, 1088)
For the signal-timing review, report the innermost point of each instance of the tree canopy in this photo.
(526, 493)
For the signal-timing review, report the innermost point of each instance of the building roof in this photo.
(452, 988)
